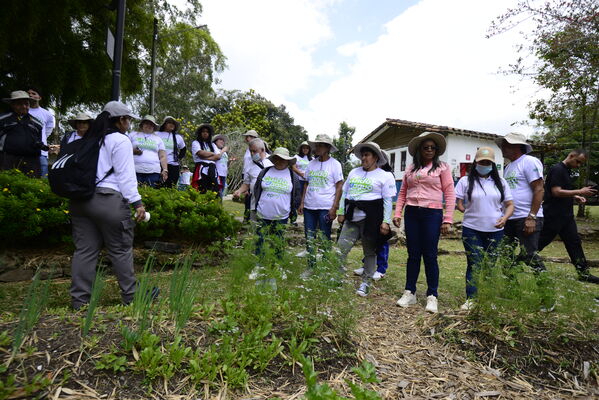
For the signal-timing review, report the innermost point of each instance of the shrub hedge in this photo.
(31, 214)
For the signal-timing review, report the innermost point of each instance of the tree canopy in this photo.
(59, 46)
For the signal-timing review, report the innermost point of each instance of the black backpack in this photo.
(73, 174)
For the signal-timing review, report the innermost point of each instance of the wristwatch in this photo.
(533, 216)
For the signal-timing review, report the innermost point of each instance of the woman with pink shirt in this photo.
(427, 182)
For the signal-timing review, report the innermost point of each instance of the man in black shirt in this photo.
(20, 136)
(559, 214)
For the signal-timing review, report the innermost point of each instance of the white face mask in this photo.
(256, 157)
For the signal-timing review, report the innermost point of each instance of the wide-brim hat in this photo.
(149, 118)
(252, 133)
(302, 144)
(283, 153)
(514, 138)
(375, 148)
(323, 138)
(485, 153)
(115, 108)
(439, 140)
(207, 126)
(17, 95)
(223, 137)
(168, 118)
(83, 117)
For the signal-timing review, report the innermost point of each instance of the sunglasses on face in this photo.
(429, 147)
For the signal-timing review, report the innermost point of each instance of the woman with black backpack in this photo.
(105, 218)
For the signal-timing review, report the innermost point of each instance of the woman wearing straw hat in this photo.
(365, 208)
(486, 201)
(322, 192)
(427, 182)
(174, 146)
(276, 197)
(149, 153)
(81, 123)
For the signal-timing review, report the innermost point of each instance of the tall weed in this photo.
(97, 288)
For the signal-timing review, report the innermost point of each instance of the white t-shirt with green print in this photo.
(275, 200)
(321, 178)
(149, 143)
(518, 175)
(367, 185)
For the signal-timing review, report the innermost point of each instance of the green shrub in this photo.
(31, 213)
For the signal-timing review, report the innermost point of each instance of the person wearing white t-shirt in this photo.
(276, 198)
(48, 121)
(486, 201)
(321, 194)
(222, 165)
(365, 209)
(174, 146)
(105, 219)
(259, 162)
(303, 158)
(81, 123)
(524, 175)
(205, 155)
(184, 178)
(247, 163)
(149, 153)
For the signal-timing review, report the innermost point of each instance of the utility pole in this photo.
(153, 67)
(118, 50)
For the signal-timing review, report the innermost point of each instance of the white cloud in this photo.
(433, 64)
(269, 43)
(350, 49)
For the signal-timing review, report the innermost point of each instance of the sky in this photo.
(363, 61)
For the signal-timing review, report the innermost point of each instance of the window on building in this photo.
(392, 161)
(402, 165)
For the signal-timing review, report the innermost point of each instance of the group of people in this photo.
(278, 186)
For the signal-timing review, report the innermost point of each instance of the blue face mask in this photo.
(483, 169)
(256, 157)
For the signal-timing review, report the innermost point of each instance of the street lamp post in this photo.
(118, 50)
(155, 39)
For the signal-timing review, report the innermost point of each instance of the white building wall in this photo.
(460, 149)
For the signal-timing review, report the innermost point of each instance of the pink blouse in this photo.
(423, 190)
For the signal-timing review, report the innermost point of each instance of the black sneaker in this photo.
(586, 276)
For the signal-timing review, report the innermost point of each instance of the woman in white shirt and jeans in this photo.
(105, 219)
(486, 201)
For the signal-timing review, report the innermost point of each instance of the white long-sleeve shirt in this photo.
(117, 153)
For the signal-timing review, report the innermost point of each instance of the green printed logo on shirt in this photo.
(276, 185)
(318, 178)
(168, 143)
(512, 180)
(359, 185)
(146, 143)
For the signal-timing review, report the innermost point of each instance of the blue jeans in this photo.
(477, 244)
(151, 180)
(270, 228)
(423, 228)
(315, 220)
(44, 166)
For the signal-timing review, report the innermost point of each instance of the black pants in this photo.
(566, 228)
(514, 230)
(29, 165)
(173, 176)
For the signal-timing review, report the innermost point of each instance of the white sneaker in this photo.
(431, 304)
(407, 299)
(359, 271)
(362, 290)
(302, 253)
(468, 305)
(377, 275)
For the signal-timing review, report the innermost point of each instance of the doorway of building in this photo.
(464, 169)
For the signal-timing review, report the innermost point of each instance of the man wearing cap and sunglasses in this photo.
(20, 136)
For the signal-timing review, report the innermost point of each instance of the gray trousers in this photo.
(351, 232)
(105, 219)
